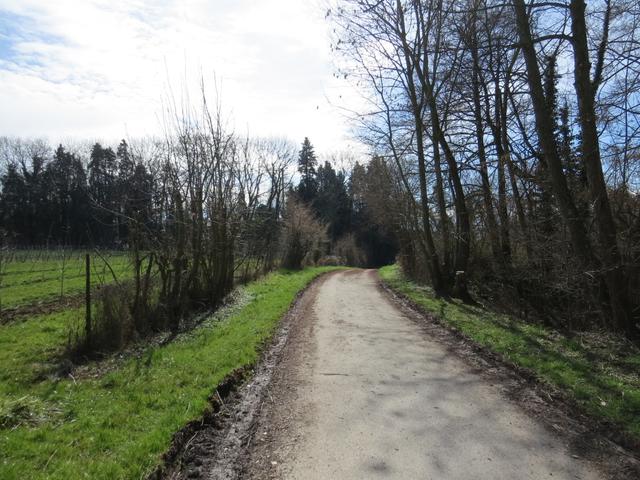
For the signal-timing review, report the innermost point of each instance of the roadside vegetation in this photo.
(99, 371)
(118, 424)
(192, 215)
(600, 370)
(505, 154)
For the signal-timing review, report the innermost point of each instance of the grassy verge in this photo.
(600, 371)
(117, 426)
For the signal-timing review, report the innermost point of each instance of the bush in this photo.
(348, 250)
(330, 261)
(113, 323)
(304, 237)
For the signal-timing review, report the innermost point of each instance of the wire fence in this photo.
(31, 277)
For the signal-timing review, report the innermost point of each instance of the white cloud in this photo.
(99, 68)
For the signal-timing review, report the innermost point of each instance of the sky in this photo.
(101, 69)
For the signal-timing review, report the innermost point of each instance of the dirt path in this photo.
(361, 392)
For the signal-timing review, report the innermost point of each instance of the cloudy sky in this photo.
(101, 68)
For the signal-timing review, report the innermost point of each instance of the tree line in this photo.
(507, 144)
(505, 153)
(335, 201)
(61, 199)
(197, 211)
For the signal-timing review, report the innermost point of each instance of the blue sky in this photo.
(101, 68)
(17, 31)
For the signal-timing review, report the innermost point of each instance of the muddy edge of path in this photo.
(215, 446)
(280, 410)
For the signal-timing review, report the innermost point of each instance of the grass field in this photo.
(117, 425)
(600, 371)
(27, 278)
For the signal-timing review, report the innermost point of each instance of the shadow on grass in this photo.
(550, 355)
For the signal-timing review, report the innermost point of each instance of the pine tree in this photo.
(12, 199)
(68, 199)
(332, 203)
(307, 161)
(103, 188)
(126, 164)
(124, 187)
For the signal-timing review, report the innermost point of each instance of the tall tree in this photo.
(586, 89)
(332, 201)
(103, 191)
(307, 162)
(68, 199)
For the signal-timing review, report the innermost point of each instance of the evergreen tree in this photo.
(576, 176)
(332, 203)
(565, 144)
(551, 87)
(103, 190)
(68, 199)
(140, 198)
(35, 204)
(126, 164)
(372, 219)
(11, 201)
(307, 161)
(125, 189)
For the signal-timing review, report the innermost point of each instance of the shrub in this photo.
(348, 250)
(330, 261)
(304, 237)
(111, 324)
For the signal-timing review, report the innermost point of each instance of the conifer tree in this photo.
(307, 161)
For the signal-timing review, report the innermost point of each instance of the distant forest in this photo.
(60, 199)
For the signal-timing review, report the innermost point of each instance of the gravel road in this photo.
(362, 392)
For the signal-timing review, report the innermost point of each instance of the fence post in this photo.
(87, 296)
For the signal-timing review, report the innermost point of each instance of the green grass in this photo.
(600, 371)
(26, 281)
(118, 425)
(41, 276)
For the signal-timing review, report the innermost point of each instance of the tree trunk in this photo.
(442, 207)
(606, 228)
(544, 127)
(487, 195)
(416, 106)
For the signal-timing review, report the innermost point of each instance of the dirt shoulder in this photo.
(283, 407)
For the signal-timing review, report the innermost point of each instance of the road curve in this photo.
(363, 393)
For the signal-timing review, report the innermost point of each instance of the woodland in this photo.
(503, 168)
